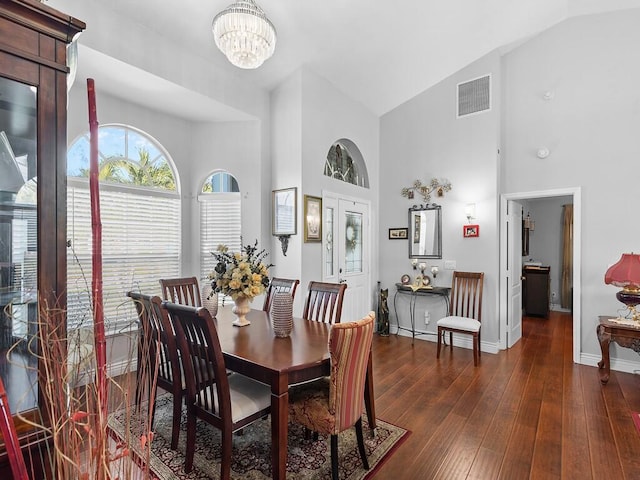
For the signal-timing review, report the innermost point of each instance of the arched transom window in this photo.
(345, 163)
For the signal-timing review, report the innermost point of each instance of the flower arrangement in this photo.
(240, 274)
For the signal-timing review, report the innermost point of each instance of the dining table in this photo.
(255, 351)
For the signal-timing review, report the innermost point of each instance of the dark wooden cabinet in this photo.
(536, 289)
(33, 144)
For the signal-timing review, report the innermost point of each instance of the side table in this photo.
(624, 335)
(402, 289)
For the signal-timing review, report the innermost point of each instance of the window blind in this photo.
(220, 223)
(141, 243)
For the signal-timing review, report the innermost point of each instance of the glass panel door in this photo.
(18, 243)
(353, 257)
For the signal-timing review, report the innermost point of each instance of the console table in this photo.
(402, 289)
(624, 335)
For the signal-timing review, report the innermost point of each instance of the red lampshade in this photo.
(625, 273)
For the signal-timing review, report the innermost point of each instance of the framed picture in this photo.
(284, 211)
(471, 231)
(398, 233)
(312, 219)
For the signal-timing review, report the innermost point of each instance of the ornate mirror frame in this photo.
(425, 231)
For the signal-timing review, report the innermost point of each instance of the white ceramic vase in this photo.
(240, 309)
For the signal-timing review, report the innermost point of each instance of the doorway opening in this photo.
(511, 262)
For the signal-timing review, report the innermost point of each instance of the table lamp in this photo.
(626, 274)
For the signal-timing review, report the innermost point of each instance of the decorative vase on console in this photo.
(282, 314)
(210, 299)
(240, 309)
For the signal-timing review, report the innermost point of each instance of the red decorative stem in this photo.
(8, 429)
(96, 277)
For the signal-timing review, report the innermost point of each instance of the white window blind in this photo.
(220, 223)
(141, 243)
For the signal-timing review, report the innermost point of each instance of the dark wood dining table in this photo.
(256, 352)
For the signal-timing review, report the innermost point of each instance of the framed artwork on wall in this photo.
(284, 211)
(471, 230)
(312, 219)
(398, 233)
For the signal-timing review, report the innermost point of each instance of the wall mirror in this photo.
(425, 236)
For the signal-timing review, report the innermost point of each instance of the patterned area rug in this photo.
(251, 458)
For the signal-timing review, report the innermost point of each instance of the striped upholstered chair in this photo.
(332, 404)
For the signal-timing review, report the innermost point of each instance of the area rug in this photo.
(251, 457)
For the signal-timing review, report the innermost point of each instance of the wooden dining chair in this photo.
(279, 285)
(227, 402)
(465, 310)
(324, 302)
(334, 404)
(184, 291)
(158, 362)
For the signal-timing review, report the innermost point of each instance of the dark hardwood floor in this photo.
(527, 412)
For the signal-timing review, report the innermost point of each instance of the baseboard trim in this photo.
(617, 364)
(462, 341)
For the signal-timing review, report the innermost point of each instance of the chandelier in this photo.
(244, 34)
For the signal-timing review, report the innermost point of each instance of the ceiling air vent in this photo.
(474, 96)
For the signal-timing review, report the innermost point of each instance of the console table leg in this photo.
(604, 338)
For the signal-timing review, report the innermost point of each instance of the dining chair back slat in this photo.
(213, 396)
(279, 285)
(465, 311)
(158, 362)
(324, 302)
(184, 291)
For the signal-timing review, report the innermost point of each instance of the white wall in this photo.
(308, 115)
(423, 139)
(327, 116)
(591, 129)
(234, 147)
(286, 153)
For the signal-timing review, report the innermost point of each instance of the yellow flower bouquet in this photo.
(240, 274)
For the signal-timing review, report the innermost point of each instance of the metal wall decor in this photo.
(436, 187)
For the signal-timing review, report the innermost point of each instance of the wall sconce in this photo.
(470, 211)
(529, 224)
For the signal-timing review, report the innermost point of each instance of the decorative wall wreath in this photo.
(351, 232)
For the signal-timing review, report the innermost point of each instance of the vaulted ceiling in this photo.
(379, 53)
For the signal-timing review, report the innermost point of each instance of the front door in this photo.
(347, 248)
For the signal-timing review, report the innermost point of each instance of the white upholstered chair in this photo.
(465, 310)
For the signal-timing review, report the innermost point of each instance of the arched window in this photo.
(140, 215)
(220, 217)
(345, 162)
